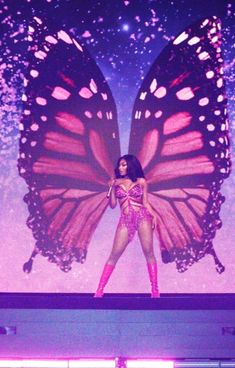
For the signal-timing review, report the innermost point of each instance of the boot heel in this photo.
(107, 271)
(152, 270)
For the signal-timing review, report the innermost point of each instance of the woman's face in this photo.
(122, 167)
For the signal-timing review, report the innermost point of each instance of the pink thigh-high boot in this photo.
(107, 271)
(152, 270)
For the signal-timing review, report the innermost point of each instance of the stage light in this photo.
(33, 363)
(40, 363)
(149, 363)
(92, 363)
(198, 364)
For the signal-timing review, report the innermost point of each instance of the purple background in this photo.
(124, 37)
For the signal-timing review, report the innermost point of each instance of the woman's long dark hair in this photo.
(134, 168)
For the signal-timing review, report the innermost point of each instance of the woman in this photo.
(130, 188)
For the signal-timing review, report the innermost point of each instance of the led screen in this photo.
(83, 83)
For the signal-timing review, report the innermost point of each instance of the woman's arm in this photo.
(111, 194)
(146, 203)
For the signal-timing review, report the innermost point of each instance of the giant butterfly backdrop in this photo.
(116, 42)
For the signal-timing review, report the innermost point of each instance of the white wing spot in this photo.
(158, 114)
(204, 55)
(147, 114)
(38, 20)
(194, 41)
(99, 114)
(34, 127)
(182, 37)
(226, 123)
(51, 40)
(160, 92)
(204, 23)
(104, 96)
(79, 47)
(215, 39)
(221, 70)
(210, 74)
(220, 98)
(25, 82)
(143, 95)
(44, 118)
(219, 82)
(202, 118)
(62, 35)
(60, 93)
(85, 93)
(40, 55)
(137, 114)
(203, 101)
(109, 115)
(93, 86)
(41, 101)
(21, 126)
(31, 29)
(212, 30)
(153, 85)
(88, 114)
(210, 127)
(185, 94)
(34, 73)
(223, 127)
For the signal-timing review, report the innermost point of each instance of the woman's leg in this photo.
(145, 233)
(119, 245)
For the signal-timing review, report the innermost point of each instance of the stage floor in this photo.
(189, 326)
(118, 301)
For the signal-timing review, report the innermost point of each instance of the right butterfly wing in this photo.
(180, 134)
(188, 218)
(68, 146)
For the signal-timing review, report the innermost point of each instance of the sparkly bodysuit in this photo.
(133, 211)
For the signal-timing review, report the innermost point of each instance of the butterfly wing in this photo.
(68, 145)
(180, 134)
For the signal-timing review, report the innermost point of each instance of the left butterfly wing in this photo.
(68, 146)
(180, 134)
